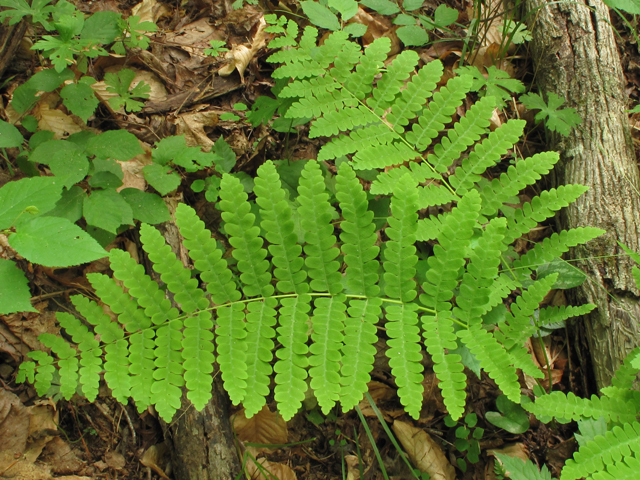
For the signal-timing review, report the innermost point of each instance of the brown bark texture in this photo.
(10, 38)
(576, 57)
(202, 444)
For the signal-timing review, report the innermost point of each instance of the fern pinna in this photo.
(311, 285)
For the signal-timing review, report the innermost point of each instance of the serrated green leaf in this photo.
(320, 15)
(445, 16)
(347, 8)
(30, 123)
(70, 205)
(383, 7)
(117, 144)
(14, 289)
(162, 178)
(106, 209)
(104, 180)
(119, 83)
(80, 100)
(65, 159)
(10, 136)
(224, 157)
(513, 418)
(147, 207)
(410, 5)
(561, 121)
(39, 11)
(568, 275)
(356, 29)
(404, 19)
(55, 242)
(519, 470)
(629, 6)
(413, 35)
(15, 197)
(103, 27)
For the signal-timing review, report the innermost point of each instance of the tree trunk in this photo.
(10, 38)
(202, 446)
(576, 57)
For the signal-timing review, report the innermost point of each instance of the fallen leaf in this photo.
(191, 125)
(114, 460)
(155, 457)
(265, 427)
(278, 470)
(14, 423)
(423, 451)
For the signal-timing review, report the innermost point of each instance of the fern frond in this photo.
(389, 85)
(232, 348)
(540, 208)
(627, 470)
(400, 253)
(316, 213)
(486, 154)
(385, 182)
(494, 360)
(569, 407)
(327, 324)
(414, 96)
(551, 315)
(309, 88)
(464, 133)
(90, 353)
(116, 347)
(244, 237)
(360, 83)
(405, 355)
(438, 339)
(67, 363)
(43, 371)
(276, 221)
(371, 135)
(360, 335)
(626, 374)
(358, 235)
(322, 103)
(433, 195)
(383, 156)
(348, 56)
(332, 123)
(439, 112)
(603, 452)
(206, 256)
(261, 318)
(292, 357)
(525, 172)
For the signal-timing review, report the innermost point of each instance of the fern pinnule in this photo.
(626, 470)
(383, 156)
(551, 315)
(626, 374)
(438, 112)
(567, 407)
(90, 354)
(405, 355)
(261, 320)
(316, 214)
(67, 363)
(358, 235)
(486, 154)
(518, 176)
(292, 357)
(42, 373)
(360, 82)
(277, 222)
(371, 135)
(415, 95)
(385, 182)
(232, 350)
(332, 123)
(433, 195)
(400, 256)
(206, 256)
(603, 452)
(360, 336)
(540, 208)
(244, 237)
(464, 133)
(392, 81)
(327, 324)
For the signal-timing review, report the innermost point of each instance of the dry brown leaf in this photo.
(517, 450)
(61, 458)
(353, 470)
(150, 10)
(55, 121)
(278, 470)
(239, 56)
(264, 427)
(191, 125)
(423, 451)
(14, 423)
(155, 457)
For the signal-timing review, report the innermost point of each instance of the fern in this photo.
(303, 306)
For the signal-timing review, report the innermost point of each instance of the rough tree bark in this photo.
(10, 38)
(576, 57)
(202, 446)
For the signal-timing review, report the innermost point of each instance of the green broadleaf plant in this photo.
(304, 302)
(555, 119)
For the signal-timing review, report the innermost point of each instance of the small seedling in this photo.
(217, 48)
(465, 444)
(512, 417)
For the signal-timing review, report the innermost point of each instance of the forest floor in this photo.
(77, 440)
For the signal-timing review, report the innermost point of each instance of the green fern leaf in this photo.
(361, 81)
(332, 123)
(232, 350)
(90, 353)
(464, 133)
(360, 336)
(400, 256)
(372, 135)
(276, 221)
(626, 374)
(309, 88)
(320, 104)
(439, 112)
(389, 85)
(316, 214)
(414, 96)
(438, 339)
(519, 470)
(243, 236)
(540, 208)
(486, 154)
(552, 315)
(603, 452)
(67, 363)
(292, 361)
(525, 172)
(385, 182)
(328, 324)
(405, 355)
(383, 156)
(261, 318)
(206, 256)
(627, 470)
(44, 371)
(358, 235)
(433, 195)
(566, 408)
